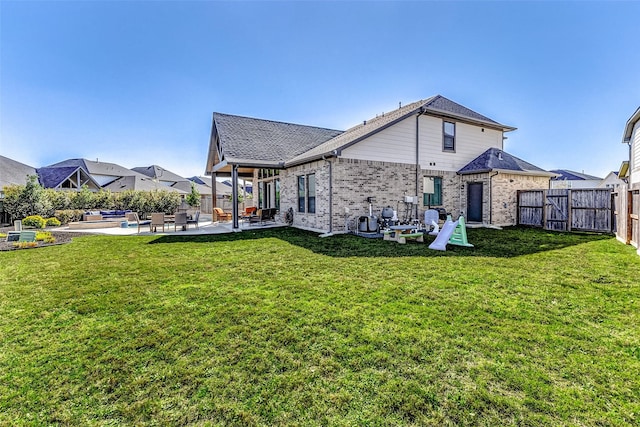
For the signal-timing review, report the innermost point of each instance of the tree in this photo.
(30, 199)
(193, 198)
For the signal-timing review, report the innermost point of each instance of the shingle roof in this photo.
(51, 177)
(13, 172)
(138, 182)
(97, 167)
(567, 175)
(245, 138)
(437, 105)
(495, 159)
(159, 173)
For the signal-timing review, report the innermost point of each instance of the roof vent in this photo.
(499, 155)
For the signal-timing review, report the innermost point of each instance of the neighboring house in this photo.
(628, 198)
(161, 175)
(66, 178)
(572, 179)
(612, 181)
(430, 153)
(136, 182)
(99, 173)
(11, 173)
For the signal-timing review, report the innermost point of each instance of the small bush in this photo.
(35, 221)
(66, 216)
(53, 222)
(24, 245)
(45, 236)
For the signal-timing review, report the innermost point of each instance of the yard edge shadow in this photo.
(506, 243)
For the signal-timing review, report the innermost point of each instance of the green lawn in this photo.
(280, 327)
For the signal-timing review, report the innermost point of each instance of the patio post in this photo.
(234, 196)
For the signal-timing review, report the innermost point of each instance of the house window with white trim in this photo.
(301, 193)
(448, 136)
(307, 193)
(311, 193)
(432, 191)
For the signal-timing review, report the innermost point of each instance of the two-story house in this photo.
(432, 153)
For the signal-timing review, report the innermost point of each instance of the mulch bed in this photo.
(62, 237)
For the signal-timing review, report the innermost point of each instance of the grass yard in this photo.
(280, 327)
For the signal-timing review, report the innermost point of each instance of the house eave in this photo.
(511, 172)
(628, 129)
(447, 114)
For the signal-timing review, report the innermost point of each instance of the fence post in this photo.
(569, 210)
(544, 210)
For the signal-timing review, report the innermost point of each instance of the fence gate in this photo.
(566, 209)
(634, 216)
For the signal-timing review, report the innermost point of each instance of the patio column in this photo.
(214, 197)
(234, 196)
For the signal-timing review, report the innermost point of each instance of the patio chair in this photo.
(157, 220)
(194, 220)
(222, 215)
(257, 218)
(248, 212)
(180, 220)
(263, 215)
(431, 217)
(133, 217)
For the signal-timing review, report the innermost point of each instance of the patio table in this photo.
(402, 232)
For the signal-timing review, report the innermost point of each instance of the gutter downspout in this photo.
(421, 112)
(491, 197)
(330, 194)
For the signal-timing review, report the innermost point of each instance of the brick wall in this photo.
(355, 180)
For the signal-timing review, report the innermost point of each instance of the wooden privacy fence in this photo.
(627, 206)
(567, 209)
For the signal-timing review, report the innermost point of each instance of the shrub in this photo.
(45, 236)
(60, 200)
(23, 200)
(35, 221)
(53, 222)
(68, 215)
(24, 245)
(83, 199)
(193, 198)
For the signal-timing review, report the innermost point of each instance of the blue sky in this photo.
(136, 82)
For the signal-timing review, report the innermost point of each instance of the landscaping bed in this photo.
(61, 237)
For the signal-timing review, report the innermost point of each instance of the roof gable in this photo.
(13, 172)
(442, 105)
(495, 159)
(628, 129)
(159, 173)
(54, 177)
(245, 138)
(437, 105)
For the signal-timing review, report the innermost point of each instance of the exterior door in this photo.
(474, 202)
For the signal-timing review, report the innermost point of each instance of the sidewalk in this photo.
(205, 227)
